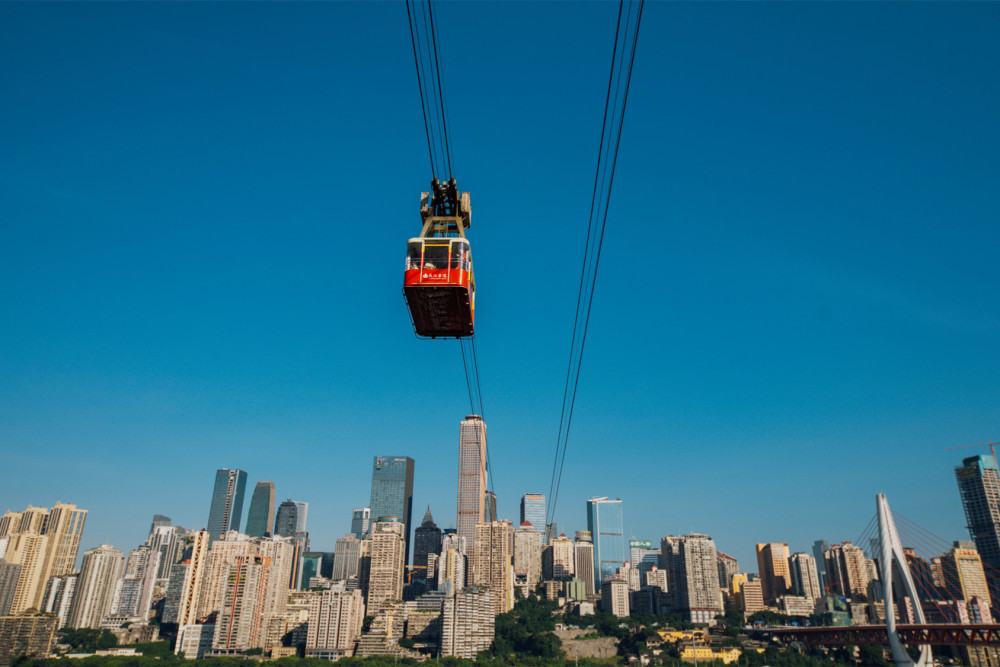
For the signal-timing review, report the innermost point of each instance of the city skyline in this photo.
(816, 262)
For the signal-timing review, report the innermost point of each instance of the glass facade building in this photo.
(360, 520)
(226, 511)
(604, 520)
(261, 512)
(392, 493)
(291, 518)
(533, 510)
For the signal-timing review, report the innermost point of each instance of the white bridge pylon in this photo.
(893, 562)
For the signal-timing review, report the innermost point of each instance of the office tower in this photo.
(728, 566)
(471, 478)
(260, 517)
(291, 518)
(467, 623)
(451, 566)
(99, 572)
(615, 596)
(490, 507)
(533, 510)
(335, 620)
(962, 573)
(9, 575)
(493, 561)
(194, 574)
(583, 561)
(159, 520)
(315, 564)
(642, 555)
(226, 511)
(563, 558)
(772, 564)
(385, 574)
(426, 540)
(527, 556)
(692, 576)
(59, 597)
(360, 518)
(346, 555)
(805, 577)
(392, 493)
(133, 596)
(239, 624)
(819, 548)
(31, 634)
(605, 523)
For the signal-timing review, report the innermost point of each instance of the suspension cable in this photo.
(595, 231)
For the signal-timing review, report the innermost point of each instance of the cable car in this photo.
(438, 283)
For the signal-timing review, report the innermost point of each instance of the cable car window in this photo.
(435, 256)
(413, 254)
(457, 255)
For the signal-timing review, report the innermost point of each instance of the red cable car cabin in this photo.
(439, 287)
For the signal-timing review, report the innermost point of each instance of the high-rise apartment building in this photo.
(133, 596)
(385, 574)
(693, 576)
(563, 558)
(805, 576)
(847, 571)
(615, 596)
(751, 598)
(240, 621)
(59, 597)
(28, 550)
(533, 510)
(392, 493)
(165, 539)
(31, 634)
(260, 516)
(451, 566)
(493, 562)
(194, 574)
(226, 510)
(728, 566)
(426, 540)
(979, 486)
(9, 575)
(606, 525)
(467, 623)
(772, 564)
(360, 518)
(583, 561)
(471, 478)
(963, 575)
(527, 557)
(335, 620)
(99, 572)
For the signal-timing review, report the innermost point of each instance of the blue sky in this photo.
(203, 216)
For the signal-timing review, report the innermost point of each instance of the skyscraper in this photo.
(261, 514)
(100, 570)
(772, 564)
(471, 478)
(426, 540)
(979, 486)
(533, 510)
(291, 518)
(385, 575)
(583, 560)
(692, 576)
(360, 518)
(226, 511)
(805, 576)
(493, 567)
(392, 493)
(346, 556)
(527, 557)
(819, 548)
(605, 523)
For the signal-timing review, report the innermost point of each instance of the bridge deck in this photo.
(935, 635)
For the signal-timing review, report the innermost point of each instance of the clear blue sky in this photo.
(203, 216)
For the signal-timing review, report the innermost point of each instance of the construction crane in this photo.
(988, 444)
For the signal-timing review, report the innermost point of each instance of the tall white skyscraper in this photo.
(471, 478)
(99, 572)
